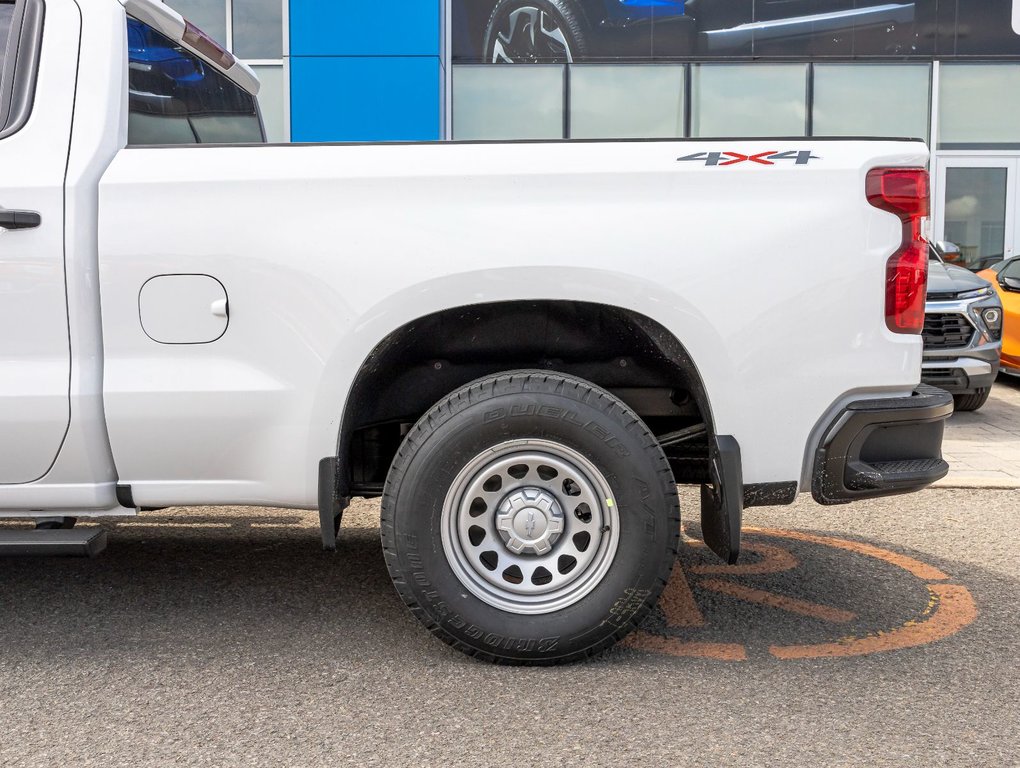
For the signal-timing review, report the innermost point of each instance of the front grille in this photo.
(944, 331)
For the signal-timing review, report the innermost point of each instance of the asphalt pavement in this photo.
(881, 633)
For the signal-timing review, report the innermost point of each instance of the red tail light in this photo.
(904, 192)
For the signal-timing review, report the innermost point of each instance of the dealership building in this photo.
(946, 71)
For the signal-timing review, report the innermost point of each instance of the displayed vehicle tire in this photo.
(530, 518)
(535, 31)
(971, 401)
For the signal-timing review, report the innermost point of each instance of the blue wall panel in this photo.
(366, 71)
(350, 98)
(365, 27)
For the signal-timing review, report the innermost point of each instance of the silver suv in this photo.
(962, 332)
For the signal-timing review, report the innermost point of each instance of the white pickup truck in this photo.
(521, 347)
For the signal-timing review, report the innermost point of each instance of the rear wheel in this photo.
(530, 518)
(971, 401)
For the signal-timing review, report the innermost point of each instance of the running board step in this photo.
(76, 542)
(890, 474)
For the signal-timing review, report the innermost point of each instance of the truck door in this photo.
(37, 86)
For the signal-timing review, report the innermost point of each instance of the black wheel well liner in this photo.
(417, 364)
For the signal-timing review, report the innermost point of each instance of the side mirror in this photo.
(1010, 283)
(950, 251)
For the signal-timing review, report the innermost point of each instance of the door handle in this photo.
(19, 219)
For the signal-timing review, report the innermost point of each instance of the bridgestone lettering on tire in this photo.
(530, 518)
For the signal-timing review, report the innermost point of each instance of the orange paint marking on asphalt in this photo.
(774, 560)
(788, 604)
(646, 641)
(952, 608)
(677, 602)
(909, 564)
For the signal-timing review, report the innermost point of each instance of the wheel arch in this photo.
(417, 363)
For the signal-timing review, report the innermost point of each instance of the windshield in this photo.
(1010, 269)
(6, 14)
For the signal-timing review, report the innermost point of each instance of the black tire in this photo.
(551, 409)
(63, 523)
(972, 400)
(563, 14)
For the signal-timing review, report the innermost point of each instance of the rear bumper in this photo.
(883, 447)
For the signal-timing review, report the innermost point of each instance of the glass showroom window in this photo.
(871, 100)
(257, 29)
(978, 106)
(626, 102)
(493, 101)
(975, 213)
(253, 31)
(208, 15)
(748, 100)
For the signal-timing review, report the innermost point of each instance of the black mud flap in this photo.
(331, 504)
(722, 502)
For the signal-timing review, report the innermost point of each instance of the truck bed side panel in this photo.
(771, 275)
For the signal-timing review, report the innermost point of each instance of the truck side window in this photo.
(176, 98)
(6, 11)
(6, 14)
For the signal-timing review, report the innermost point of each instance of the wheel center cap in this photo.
(530, 521)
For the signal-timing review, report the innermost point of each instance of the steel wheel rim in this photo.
(530, 35)
(530, 526)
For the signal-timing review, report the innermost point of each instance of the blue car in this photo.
(536, 31)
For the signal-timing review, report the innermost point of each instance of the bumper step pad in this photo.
(893, 474)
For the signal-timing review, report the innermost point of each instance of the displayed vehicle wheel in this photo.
(530, 518)
(535, 31)
(971, 401)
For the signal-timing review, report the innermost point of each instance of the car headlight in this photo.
(977, 293)
(992, 318)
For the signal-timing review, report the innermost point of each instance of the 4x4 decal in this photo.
(769, 157)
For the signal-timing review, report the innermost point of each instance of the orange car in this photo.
(1005, 276)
